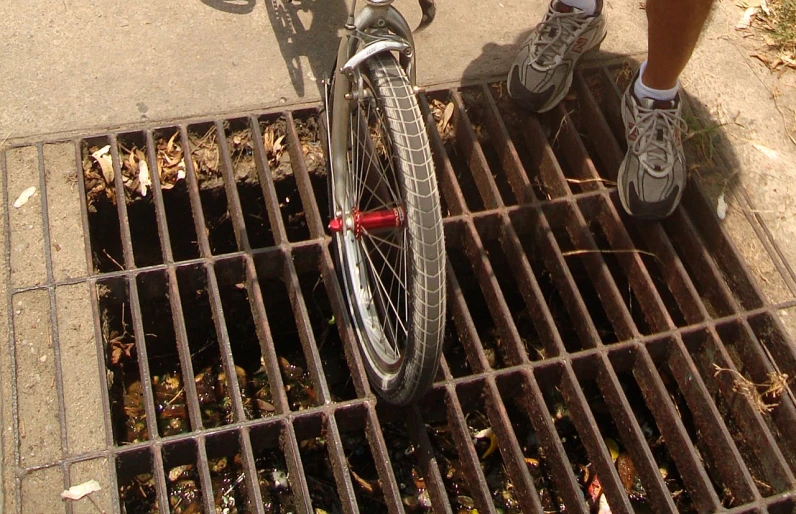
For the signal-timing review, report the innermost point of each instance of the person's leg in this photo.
(674, 28)
(653, 175)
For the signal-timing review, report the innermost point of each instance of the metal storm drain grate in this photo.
(592, 362)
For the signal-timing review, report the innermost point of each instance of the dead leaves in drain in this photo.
(100, 176)
(443, 115)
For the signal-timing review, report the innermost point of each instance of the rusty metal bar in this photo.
(493, 296)
(191, 175)
(302, 177)
(448, 184)
(467, 139)
(234, 207)
(510, 160)
(267, 184)
(688, 461)
(510, 447)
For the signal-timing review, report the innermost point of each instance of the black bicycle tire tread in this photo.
(424, 223)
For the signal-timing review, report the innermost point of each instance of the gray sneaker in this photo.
(541, 74)
(652, 176)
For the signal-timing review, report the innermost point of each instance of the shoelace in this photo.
(555, 33)
(655, 129)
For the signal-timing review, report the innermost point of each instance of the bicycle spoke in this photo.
(386, 261)
(385, 241)
(382, 288)
(369, 156)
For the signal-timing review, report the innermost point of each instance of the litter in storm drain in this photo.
(591, 362)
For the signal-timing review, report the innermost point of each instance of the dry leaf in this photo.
(721, 207)
(103, 157)
(487, 433)
(364, 484)
(746, 19)
(24, 197)
(447, 115)
(278, 145)
(77, 492)
(143, 177)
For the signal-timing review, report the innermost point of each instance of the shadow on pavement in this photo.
(231, 6)
(307, 29)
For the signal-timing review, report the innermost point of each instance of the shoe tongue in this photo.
(562, 7)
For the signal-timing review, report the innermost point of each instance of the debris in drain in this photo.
(773, 387)
(138, 495)
(134, 414)
(367, 486)
(453, 475)
(272, 476)
(100, 176)
(170, 160)
(486, 445)
(298, 385)
(319, 475)
(412, 485)
(205, 153)
(443, 115)
(185, 496)
(170, 404)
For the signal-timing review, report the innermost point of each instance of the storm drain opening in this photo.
(591, 361)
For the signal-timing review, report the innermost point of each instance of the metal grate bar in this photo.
(450, 191)
(316, 227)
(353, 358)
(633, 437)
(596, 447)
(184, 351)
(465, 327)
(267, 183)
(157, 194)
(233, 200)
(688, 461)
(726, 457)
(556, 265)
(514, 460)
(466, 138)
(196, 201)
(561, 470)
(494, 297)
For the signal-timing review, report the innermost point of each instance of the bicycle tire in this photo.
(404, 382)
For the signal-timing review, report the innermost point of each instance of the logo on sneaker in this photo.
(580, 44)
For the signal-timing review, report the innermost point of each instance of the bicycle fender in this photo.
(371, 50)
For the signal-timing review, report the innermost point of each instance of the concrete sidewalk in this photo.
(75, 66)
(71, 67)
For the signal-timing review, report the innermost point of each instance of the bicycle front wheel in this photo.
(388, 235)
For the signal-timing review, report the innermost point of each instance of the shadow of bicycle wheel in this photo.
(231, 6)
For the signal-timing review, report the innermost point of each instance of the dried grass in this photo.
(764, 397)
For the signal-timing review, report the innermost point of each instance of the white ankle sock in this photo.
(642, 91)
(587, 6)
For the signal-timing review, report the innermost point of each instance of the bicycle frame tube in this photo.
(375, 15)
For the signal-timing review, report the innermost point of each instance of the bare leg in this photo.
(674, 27)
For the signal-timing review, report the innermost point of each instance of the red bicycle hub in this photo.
(371, 220)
